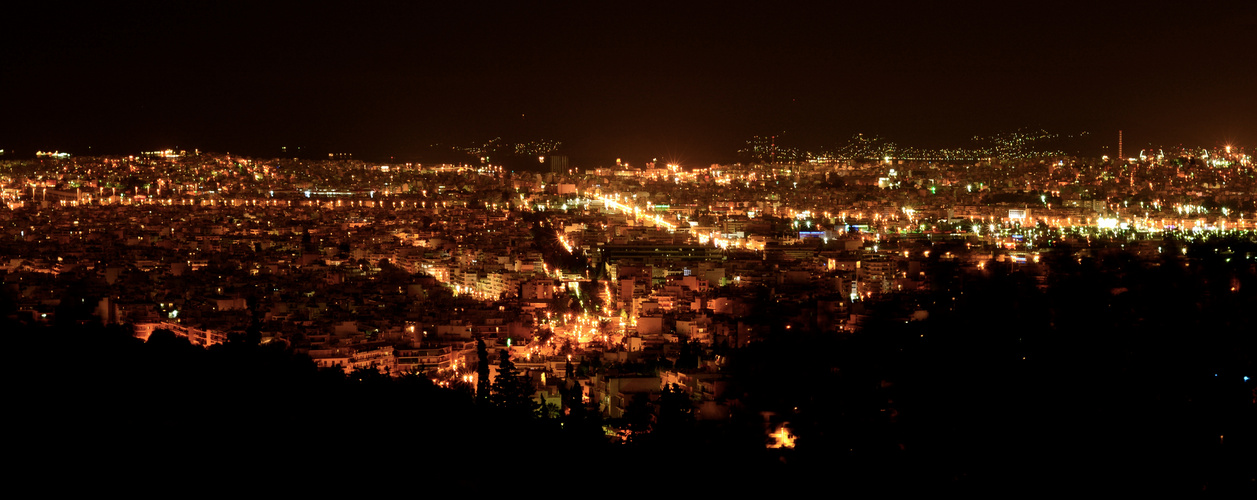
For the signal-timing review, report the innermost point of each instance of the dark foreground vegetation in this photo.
(1118, 376)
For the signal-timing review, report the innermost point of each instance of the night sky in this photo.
(623, 79)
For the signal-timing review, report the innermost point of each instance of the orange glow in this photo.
(782, 438)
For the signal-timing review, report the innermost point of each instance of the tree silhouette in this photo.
(639, 415)
(571, 390)
(307, 242)
(482, 373)
(676, 413)
(511, 392)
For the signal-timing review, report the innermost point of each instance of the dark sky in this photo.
(621, 79)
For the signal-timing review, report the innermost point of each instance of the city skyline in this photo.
(948, 324)
(696, 248)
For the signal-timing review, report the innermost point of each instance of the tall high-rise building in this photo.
(558, 163)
